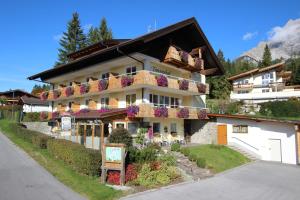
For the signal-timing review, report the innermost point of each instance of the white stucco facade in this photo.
(35, 108)
(260, 135)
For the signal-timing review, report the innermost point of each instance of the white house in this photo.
(268, 139)
(33, 104)
(263, 84)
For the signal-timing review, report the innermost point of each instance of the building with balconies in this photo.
(155, 81)
(263, 84)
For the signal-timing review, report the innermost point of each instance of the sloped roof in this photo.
(186, 34)
(16, 93)
(33, 101)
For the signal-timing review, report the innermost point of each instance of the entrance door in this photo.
(222, 134)
(275, 149)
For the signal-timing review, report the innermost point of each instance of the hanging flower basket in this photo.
(202, 114)
(198, 63)
(184, 56)
(162, 80)
(201, 88)
(183, 84)
(56, 94)
(126, 81)
(44, 95)
(55, 114)
(43, 116)
(103, 110)
(161, 112)
(102, 85)
(183, 113)
(69, 91)
(84, 88)
(132, 111)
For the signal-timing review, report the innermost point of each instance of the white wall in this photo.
(258, 137)
(35, 108)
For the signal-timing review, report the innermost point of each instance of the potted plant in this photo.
(183, 113)
(102, 84)
(161, 112)
(184, 56)
(44, 95)
(162, 80)
(202, 114)
(201, 88)
(132, 111)
(183, 84)
(84, 88)
(126, 81)
(69, 91)
(56, 93)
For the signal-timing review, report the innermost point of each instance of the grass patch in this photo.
(87, 186)
(216, 157)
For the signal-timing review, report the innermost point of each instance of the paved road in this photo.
(260, 180)
(21, 178)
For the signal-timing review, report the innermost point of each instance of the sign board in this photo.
(113, 154)
(66, 123)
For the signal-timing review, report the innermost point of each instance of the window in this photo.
(174, 102)
(163, 101)
(156, 127)
(130, 99)
(240, 128)
(104, 102)
(173, 128)
(105, 76)
(120, 125)
(265, 90)
(131, 70)
(154, 99)
(132, 127)
(243, 91)
(267, 78)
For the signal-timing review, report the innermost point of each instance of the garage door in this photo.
(222, 134)
(275, 150)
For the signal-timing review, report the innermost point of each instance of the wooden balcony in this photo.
(243, 86)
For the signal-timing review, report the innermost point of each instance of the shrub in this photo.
(132, 111)
(234, 107)
(183, 113)
(175, 147)
(167, 159)
(40, 141)
(102, 85)
(185, 151)
(113, 177)
(147, 154)
(161, 80)
(120, 135)
(161, 112)
(289, 108)
(84, 88)
(183, 84)
(192, 157)
(31, 117)
(131, 173)
(126, 81)
(84, 161)
(201, 162)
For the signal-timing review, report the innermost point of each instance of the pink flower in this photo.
(84, 88)
(183, 84)
(162, 81)
(161, 112)
(102, 85)
(69, 91)
(44, 95)
(184, 56)
(56, 94)
(132, 111)
(126, 81)
(201, 88)
(202, 114)
(183, 113)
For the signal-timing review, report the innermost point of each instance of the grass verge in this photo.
(87, 186)
(216, 157)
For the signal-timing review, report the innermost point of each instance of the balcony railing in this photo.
(243, 86)
(117, 83)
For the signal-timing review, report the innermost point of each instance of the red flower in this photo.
(162, 81)
(183, 84)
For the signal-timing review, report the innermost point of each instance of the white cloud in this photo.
(250, 35)
(286, 32)
(57, 37)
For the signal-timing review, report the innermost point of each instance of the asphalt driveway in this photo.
(21, 178)
(259, 180)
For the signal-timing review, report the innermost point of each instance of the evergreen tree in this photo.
(73, 39)
(267, 57)
(93, 36)
(221, 57)
(105, 32)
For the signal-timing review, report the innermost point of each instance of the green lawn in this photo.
(218, 158)
(89, 187)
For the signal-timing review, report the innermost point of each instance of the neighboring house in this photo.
(13, 96)
(267, 139)
(263, 84)
(33, 104)
(155, 81)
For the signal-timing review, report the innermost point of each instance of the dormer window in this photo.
(131, 70)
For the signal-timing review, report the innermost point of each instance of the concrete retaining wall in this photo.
(38, 126)
(204, 132)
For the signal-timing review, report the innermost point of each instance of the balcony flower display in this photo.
(55, 114)
(161, 112)
(103, 110)
(102, 85)
(183, 84)
(56, 94)
(132, 111)
(184, 56)
(43, 116)
(126, 81)
(84, 88)
(44, 95)
(83, 110)
(162, 81)
(201, 87)
(183, 113)
(198, 63)
(202, 114)
(69, 91)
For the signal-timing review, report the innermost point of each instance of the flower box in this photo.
(126, 81)
(183, 84)
(161, 112)
(55, 114)
(84, 88)
(44, 95)
(202, 114)
(183, 113)
(198, 63)
(69, 91)
(162, 80)
(56, 94)
(201, 88)
(102, 85)
(184, 56)
(81, 111)
(132, 111)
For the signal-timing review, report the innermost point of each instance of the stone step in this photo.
(242, 151)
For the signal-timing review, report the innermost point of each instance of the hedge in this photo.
(290, 108)
(84, 161)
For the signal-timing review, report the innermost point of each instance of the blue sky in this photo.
(30, 29)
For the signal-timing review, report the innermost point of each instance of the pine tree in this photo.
(267, 57)
(73, 39)
(93, 36)
(221, 57)
(105, 32)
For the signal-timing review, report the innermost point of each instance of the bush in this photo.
(145, 155)
(175, 147)
(32, 117)
(290, 108)
(233, 108)
(40, 141)
(167, 159)
(185, 151)
(84, 161)
(120, 135)
(201, 162)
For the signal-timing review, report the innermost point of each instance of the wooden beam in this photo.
(207, 72)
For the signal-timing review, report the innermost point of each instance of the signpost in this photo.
(113, 158)
(66, 123)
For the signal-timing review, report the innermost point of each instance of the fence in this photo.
(13, 113)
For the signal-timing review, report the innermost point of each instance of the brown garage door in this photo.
(222, 134)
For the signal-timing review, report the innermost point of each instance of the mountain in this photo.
(283, 42)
